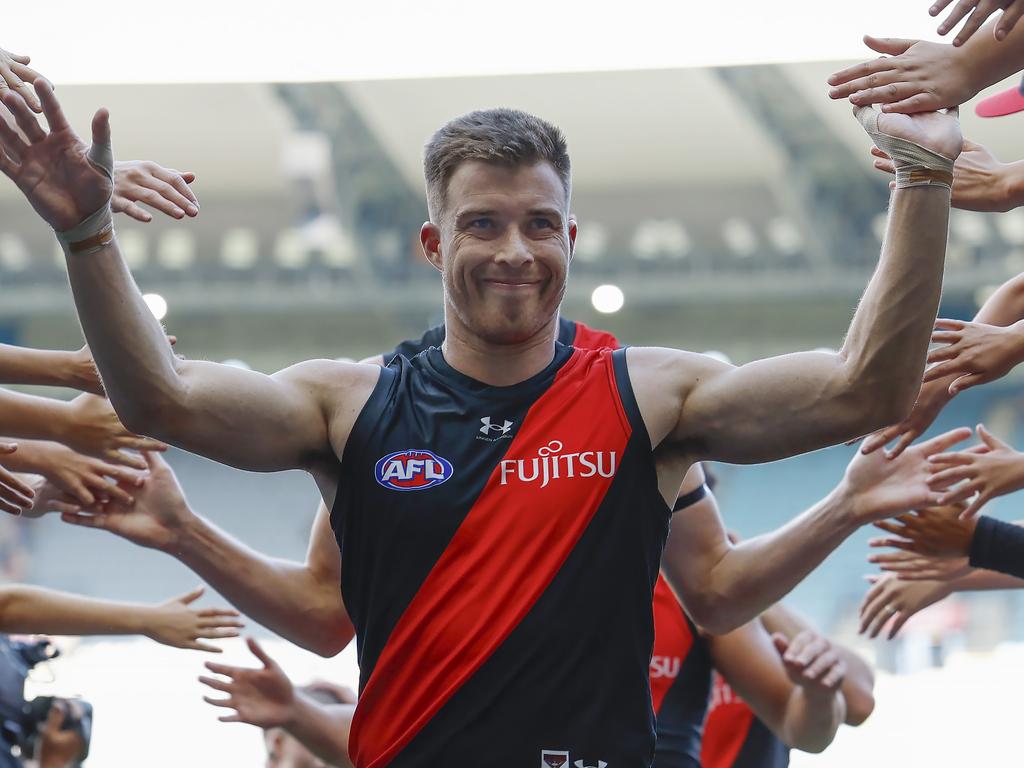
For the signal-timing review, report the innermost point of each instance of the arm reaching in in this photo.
(984, 472)
(725, 586)
(892, 601)
(163, 189)
(19, 76)
(16, 495)
(918, 76)
(974, 353)
(980, 11)
(265, 697)
(1004, 307)
(299, 601)
(21, 365)
(793, 687)
(859, 683)
(980, 181)
(31, 610)
(296, 419)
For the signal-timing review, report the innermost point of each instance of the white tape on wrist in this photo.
(916, 166)
(97, 230)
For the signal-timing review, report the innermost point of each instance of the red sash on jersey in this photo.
(502, 558)
(726, 727)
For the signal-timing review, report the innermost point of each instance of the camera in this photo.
(21, 721)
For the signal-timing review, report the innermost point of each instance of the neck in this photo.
(499, 365)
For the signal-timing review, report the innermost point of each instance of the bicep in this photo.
(748, 661)
(768, 409)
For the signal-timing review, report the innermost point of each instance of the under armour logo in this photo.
(488, 427)
(581, 764)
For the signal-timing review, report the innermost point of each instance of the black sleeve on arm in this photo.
(998, 546)
(691, 498)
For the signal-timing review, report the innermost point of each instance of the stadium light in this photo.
(607, 299)
(157, 304)
(384, 39)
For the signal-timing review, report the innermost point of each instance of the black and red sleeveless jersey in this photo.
(680, 681)
(570, 333)
(500, 549)
(735, 738)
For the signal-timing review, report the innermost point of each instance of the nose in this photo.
(514, 250)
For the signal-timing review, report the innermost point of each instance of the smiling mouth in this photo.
(511, 284)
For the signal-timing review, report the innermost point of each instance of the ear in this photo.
(573, 228)
(430, 242)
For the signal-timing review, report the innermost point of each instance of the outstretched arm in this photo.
(724, 586)
(238, 417)
(918, 76)
(22, 365)
(977, 12)
(859, 684)
(299, 601)
(265, 697)
(792, 687)
(33, 610)
(782, 406)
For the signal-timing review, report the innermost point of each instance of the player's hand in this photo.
(893, 601)
(263, 697)
(933, 532)
(912, 567)
(93, 428)
(980, 10)
(174, 623)
(881, 487)
(65, 180)
(164, 189)
(811, 662)
(974, 353)
(17, 75)
(911, 76)
(15, 494)
(986, 471)
(155, 520)
(980, 182)
(931, 399)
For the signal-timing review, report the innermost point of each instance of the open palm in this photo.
(64, 180)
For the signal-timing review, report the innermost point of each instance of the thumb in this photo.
(191, 597)
(989, 439)
(101, 154)
(781, 643)
(893, 46)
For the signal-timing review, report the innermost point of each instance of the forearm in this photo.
(322, 729)
(981, 580)
(31, 610)
(128, 344)
(31, 417)
(986, 60)
(998, 546)
(757, 573)
(812, 719)
(31, 457)
(22, 365)
(1005, 306)
(884, 352)
(859, 683)
(285, 597)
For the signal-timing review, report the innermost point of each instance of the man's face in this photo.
(503, 248)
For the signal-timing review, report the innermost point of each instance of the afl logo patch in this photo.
(412, 470)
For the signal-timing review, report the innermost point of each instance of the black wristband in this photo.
(691, 498)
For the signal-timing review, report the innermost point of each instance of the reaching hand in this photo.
(893, 600)
(883, 487)
(982, 9)
(160, 511)
(975, 353)
(930, 401)
(263, 697)
(933, 532)
(15, 494)
(913, 567)
(94, 429)
(990, 470)
(912, 76)
(174, 623)
(84, 478)
(64, 180)
(143, 181)
(19, 76)
(980, 182)
(811, 662)
(50, 498)
(82, 373)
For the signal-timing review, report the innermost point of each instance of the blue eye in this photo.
(542, 222)
(481, 223)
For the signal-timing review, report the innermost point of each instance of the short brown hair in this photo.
(508, 137)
